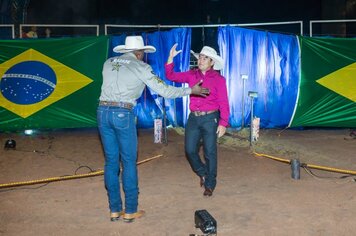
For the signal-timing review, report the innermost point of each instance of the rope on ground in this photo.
(67, 177)
(351, 172)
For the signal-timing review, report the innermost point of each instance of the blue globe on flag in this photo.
(28, 82)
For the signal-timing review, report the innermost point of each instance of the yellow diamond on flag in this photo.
(342, 81)
(32, 81)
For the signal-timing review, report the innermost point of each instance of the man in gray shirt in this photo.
(124, 79)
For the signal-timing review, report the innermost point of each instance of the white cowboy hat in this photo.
(133, 43)
(210, 52)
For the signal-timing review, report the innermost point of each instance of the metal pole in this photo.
(244, 78)
(165, 139)
(251, 122)
(175, 110)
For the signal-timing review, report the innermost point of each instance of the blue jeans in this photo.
(203, 128)
(119, 139)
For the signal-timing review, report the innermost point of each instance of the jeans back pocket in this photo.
(121, 119)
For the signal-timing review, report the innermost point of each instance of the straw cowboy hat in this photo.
(133, 43)
(210, 52)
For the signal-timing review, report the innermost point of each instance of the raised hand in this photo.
(172, 53)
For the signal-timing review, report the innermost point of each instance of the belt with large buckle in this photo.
(203, 113)
(125, 105)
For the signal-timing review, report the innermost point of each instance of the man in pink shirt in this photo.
(209, 115)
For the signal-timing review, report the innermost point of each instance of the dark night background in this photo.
(183, 12)
(170, 12)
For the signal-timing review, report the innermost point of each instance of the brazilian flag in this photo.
(50, 83)
(327, 90)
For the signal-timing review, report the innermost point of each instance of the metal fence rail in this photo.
(5, 32)
(327, 22)
(63, 29)
(60, 30)
(300, 23)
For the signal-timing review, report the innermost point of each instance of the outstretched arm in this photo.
(181, 77)
(167, 91)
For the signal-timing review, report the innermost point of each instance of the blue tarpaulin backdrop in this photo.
(270, 60)
(176, 109)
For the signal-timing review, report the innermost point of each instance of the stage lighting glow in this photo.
(29, 131)
(243, 76)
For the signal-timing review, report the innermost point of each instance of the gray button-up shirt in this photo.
(125, 77)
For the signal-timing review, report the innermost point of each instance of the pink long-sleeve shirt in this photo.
(216, 100)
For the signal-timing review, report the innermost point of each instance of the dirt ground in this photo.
(254, 195)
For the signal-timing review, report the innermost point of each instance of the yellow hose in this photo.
(77, 176)
(351, 172)
(272, 157)
(101, 172)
